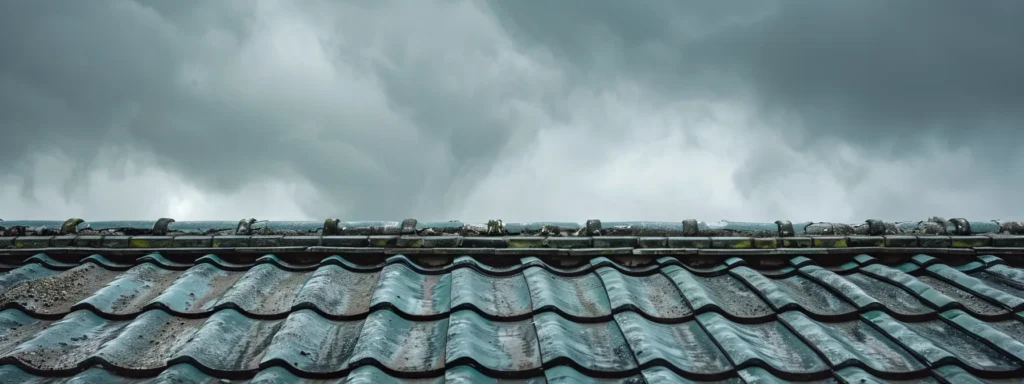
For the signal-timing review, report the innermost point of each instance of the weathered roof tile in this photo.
(573, 302)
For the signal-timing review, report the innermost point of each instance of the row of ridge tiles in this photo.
(691, 227)
(480, 243)
(568, 320)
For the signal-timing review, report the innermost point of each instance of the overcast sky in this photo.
(519, 110)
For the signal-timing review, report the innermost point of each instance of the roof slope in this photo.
(921, 319)
(621, 312)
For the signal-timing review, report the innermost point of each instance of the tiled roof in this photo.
(638, 304)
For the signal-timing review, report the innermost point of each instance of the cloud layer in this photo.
(659, 110)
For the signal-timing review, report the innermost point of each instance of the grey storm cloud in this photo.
(523, 110)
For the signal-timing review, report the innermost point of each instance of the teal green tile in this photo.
(498, 296)
(662, 375)
(12, 374)
(852, 343)
(566, 375)
(372, 375)
(402, 345)
(229, 341)
(1004, 278)
(654, 294)
(276, 375)
(940, 343)
(337, 291)
(311, 343)
(579, 296)
(105, 262)
(198, 289)
(758, 375)
(48, 261)
(56, 294)
(182, 374)
(922, 290)
(684, 346)
(984, 331)
(724, 293)
(857, 375)
(264, 289)
(977, 287)
(411, 292)
(594, 346)
(132, 290)
(465, 374)
(22, 274)
(222, 264)
(957, 375)
(507, 346)
(848, 289)
(769, 343)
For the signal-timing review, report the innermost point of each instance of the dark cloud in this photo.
(890, 78)
(892, 70)
(225, 93)
(390, 109)
(854, 70)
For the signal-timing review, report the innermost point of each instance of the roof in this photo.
(939, 301)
